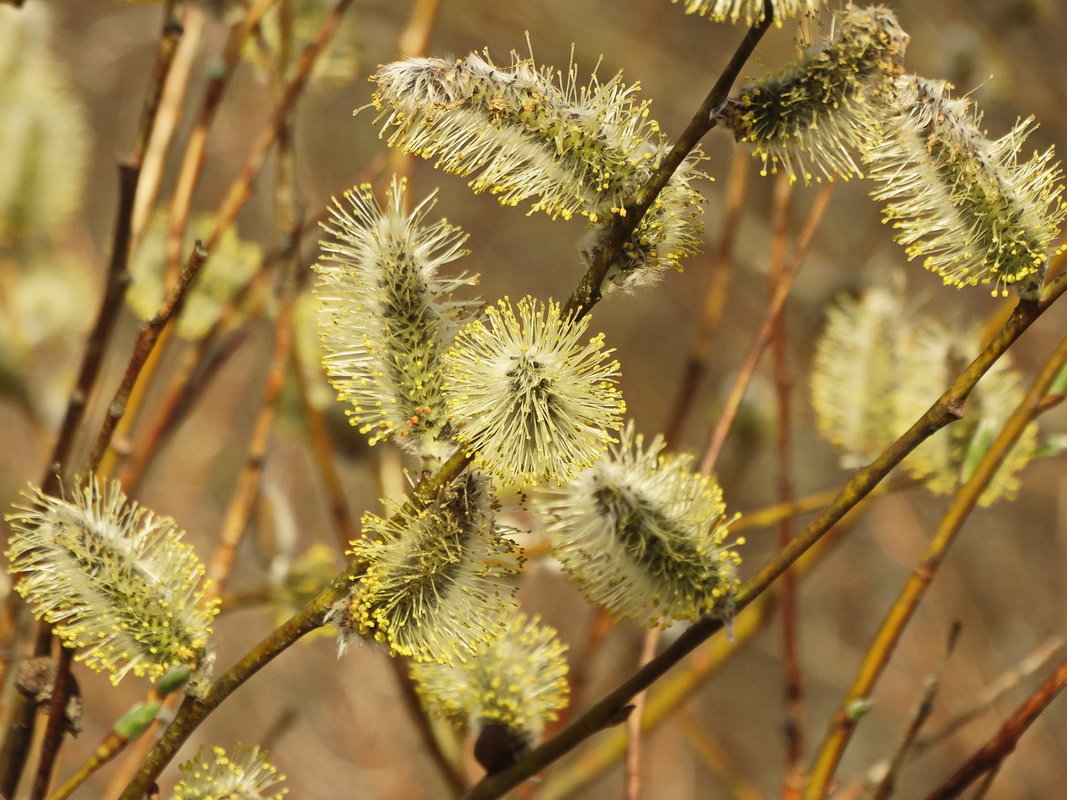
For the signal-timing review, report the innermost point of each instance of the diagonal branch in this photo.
(588, 293)
(990, 757)
(946, 409)
(911, 595)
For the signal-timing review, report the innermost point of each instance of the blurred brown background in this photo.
(342, 732)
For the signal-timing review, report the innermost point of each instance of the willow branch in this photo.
(946, 409)
(196, 149)
(880, 651)
(142, 350)
(588, 292)
(725, 422)
(1006, 739)
(792, 678)
(923, 709)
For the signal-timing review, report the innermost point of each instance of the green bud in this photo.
(136, 721)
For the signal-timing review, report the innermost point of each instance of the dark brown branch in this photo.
(623, 225)
(142, 349)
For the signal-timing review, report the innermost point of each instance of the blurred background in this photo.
(72, 84)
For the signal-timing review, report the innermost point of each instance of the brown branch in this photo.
(1006, 739)
(196, 148)
(241, 188)
(919, 716)
(142, 349)
(193, 375)
(115, 283)
(634, 724)
(168, 113)
(454, 779)
(150, 333)
(588, 292)
(792, 679)
(717, 439)
(721, 269)
(322, 454)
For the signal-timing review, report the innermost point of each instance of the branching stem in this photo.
(880, 651)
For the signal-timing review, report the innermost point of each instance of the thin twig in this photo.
(115, 283)
(149, 335)
(721, 270)
(239, 510)
(196, 147)
(168, 114)
(322, 454)
(634, 724)
(192, 376)
(759, 343)
(986, 782)
(111, 746)
(771, 515)
(454, 779)
(241, 188)
(1006, 739)
(991, 694)
(792, 680)
(56, 725)
(194, 710)
(881, 649)
(919, 716)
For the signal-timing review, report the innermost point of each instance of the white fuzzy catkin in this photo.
(518, 680)
(523, 131)
(811, 118)
(215, 774)
(750, 12)
(879, 365)
(438, 580)
(386, 314)
(530, 401)
(528, 132)
(965, 204)
(114, 578)
(643, 535)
